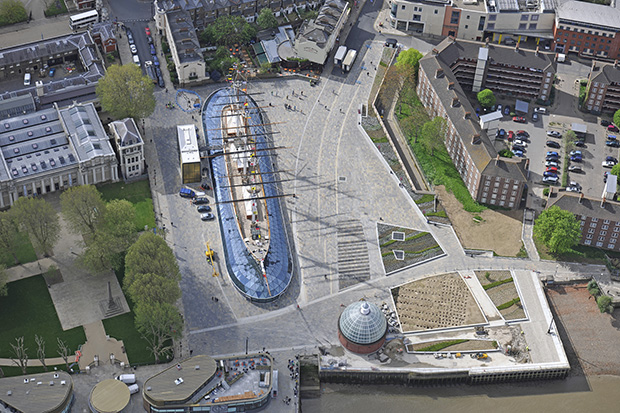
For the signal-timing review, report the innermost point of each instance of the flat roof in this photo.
(109, 396)
(188, 144)
(582, 13)
(35, 393)
(579, 128)
(195, 372)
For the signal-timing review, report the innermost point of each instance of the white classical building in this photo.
(129, 146)
(53, 149)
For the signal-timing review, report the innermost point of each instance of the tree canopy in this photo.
(40, 220)
(12, 11)
(433, 133)
(8, 233)
(617, 117)
(125, 92)
(228, 31)
(408, 61)
(558, 229)
(3, 281)
(82, 207)
(150, 255)
(266, 19)
(615, 170)
(158, 323)
(154, 288)
(486, 98)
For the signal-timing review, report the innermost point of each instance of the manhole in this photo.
(398, 236)
(342, 178)
(399, 254)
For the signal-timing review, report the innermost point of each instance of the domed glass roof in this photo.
(362, 323)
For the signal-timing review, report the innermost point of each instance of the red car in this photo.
(519, 119)
(551, 169)
(511, 135)
(147, 31)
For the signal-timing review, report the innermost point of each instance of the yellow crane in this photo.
(210, 254)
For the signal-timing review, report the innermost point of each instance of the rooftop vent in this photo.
(439, 73)
(467, 115)
(450, 85)
(455, 102)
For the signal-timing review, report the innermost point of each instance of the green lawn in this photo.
(438, 167)
(139, 194)
(24, 251)
(29, 310)
(580, 253)
(10, 371)
(122, 327)
(55, 8)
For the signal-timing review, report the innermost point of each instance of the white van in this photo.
(127, 378)
(136, 60)
(133, 388)
(27, 79)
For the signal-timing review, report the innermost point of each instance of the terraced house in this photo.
(490, 178)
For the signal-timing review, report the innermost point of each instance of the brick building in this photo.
(600, 218)
(590, 30)
(490, 178)
(603, 89)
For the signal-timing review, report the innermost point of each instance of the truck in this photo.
(340, 54)
(349, 59)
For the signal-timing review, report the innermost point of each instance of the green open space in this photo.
(55, 8)
(580, 253)
(11, 371)
(23, 250)
(436, 165)
(122, 327)
(139, 194)
(28, 310)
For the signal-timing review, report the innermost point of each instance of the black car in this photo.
(611, 159)
(605, 122)
(507, 110)
(149, 39)
(552, 158)
(160, 77)
(580, 144)
(204, 208)
(613, 144)
(553, 144)
(518, 148)
(200, 201)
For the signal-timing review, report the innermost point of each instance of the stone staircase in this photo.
(353, 261)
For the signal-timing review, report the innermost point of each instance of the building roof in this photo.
(104, 29)
(319, 29)
(603, 72)
(188, 144)
(86, 132)
(584, 13)
(184, 36)
(579, 127)
(127, 132)
(195, 372)
(109, 396)
(362, 323)
(38, 394)
(16, 105)
(579, 204)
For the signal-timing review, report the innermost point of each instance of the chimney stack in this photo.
(455, 102)
(486, 42)
(475, 138)
(537, 50)
(616, 63)
(580, 197)
(439, 73)
(497, 160)
(517, 47)
(450, 85)
(603, 202)
(435, 52)
(467, 116)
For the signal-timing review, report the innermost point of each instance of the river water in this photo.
(575, 394)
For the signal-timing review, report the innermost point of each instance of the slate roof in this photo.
(605, 73)
(184, 36)
(86, 132)
(127, 132)
(590, 207)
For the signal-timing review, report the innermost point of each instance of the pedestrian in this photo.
(302, 92)
(171, 224)
(325, 276)
(286, 97)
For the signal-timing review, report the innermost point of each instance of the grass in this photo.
(11, 371)
(436, 214)
(508, 304)
(122, 327)
(29, 310)
(437, 166)
(580, 253)
(139, 194)
(442, 345)
(522, 252)
(55, 8)
(496, 283)
(425, 198)
(23, 249)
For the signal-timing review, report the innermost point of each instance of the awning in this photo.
(522, 106)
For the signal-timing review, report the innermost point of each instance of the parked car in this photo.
(507, 110)
(549, 173)
(27, 78)
(552, 169)
(552, 163)
(511, 135)
(522, 133)
(611, 159)
(478, 112)
(518, 153)
(521, 143)
(605, 175)
(500, 134)
(550, 180)
(573, 189)
(613, 128)
(499, 107)
(518, 148)
(553, 144)
(52, 72)
(186, 193)
(611, 137)
(575, 152)
(203, 208)
(605, 123)
(155, 60)
(576, 158)
(147, 31)
(207, 217)
(149, 39)
(201, 200)
(152, 47)
(205, 186)
(580, 144)
(519, 119)
(534, 117)
(542, 111)
(554, 134)
(613, 144)
(129, 36)
(552, 153)
(575, 168)
(133, 48)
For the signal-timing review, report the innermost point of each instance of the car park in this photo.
(613, 144)
(204, 208)
(554, 134)
(133, 48)
(506, 110)
(550, 179)
(553, 144)
(605, 123)
(207, 217)
(518, 119)
(613, 128)
(575, 168)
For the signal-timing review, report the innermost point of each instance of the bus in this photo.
(274, 384)
(85, 19)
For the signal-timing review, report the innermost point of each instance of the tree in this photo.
(266, 19)
(20, 357)
(228, 31)
(593, 288)
(125, 92)
(617, 117)
(433, 134)
(408, 62)
(115, 233)
(615, 170)
(558, 229)
(153, 288)
(12, 11)
(412, 124)
(82, 207)
(150, 255)
(40, 350)
(8, 232)
(486, 98)
(63, 351)
(158, 324)
(4, 289)
(604, 304)
(40, 220)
